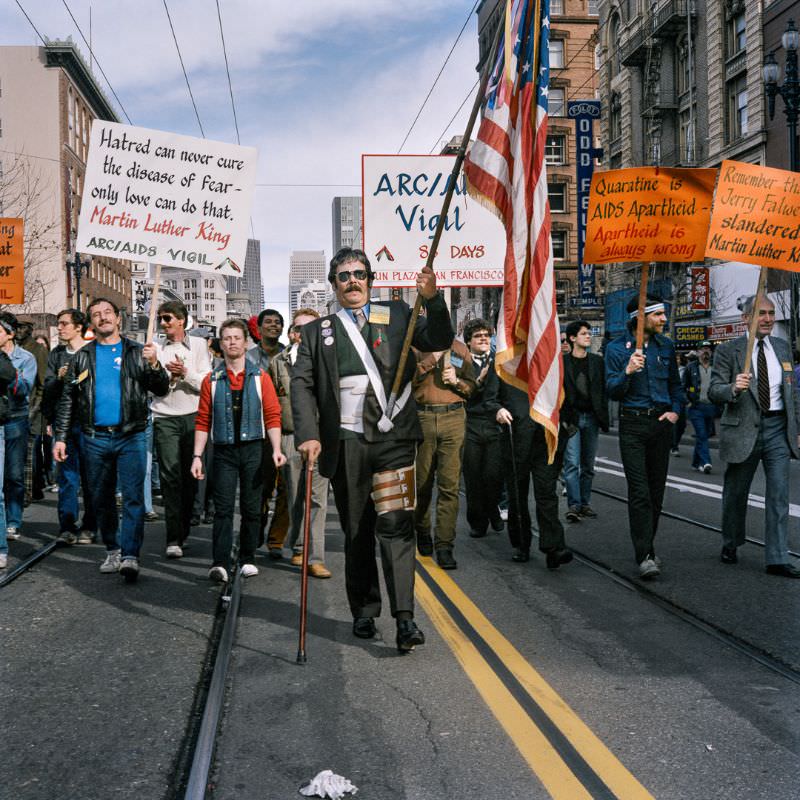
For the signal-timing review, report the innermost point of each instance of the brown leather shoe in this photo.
(318, 571)
(296, 560)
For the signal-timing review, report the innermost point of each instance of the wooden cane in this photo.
(301, 649)
(751, 339)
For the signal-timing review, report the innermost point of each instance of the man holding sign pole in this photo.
(648, 387)
(759, 424)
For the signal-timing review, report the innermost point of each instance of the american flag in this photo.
(506, 173)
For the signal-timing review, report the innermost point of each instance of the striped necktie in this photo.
(361, 319)
(763, 378)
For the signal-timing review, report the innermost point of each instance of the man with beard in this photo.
(342, 378)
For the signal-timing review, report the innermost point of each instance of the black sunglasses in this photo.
(358, 274)
(165, 318)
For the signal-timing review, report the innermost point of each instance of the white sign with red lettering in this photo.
(401, 200)
(167, 199)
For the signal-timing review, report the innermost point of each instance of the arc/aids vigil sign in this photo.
(168, 199)
(12, 260)
(401, 201)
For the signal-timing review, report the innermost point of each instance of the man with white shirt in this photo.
(186, 360)
(759, 424)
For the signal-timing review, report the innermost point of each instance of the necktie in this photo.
(763, 378)
(361, 319)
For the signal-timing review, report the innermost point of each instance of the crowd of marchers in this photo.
(245, 414)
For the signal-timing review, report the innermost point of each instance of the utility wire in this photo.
(42, 39)
(458, 111)
(228, 72)
(102, 72)
(436, 80)
(180, 58)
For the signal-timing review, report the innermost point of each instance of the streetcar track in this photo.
(34, 558)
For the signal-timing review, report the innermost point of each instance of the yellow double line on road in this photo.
(571, 762)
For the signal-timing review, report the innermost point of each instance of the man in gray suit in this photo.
(760, 423)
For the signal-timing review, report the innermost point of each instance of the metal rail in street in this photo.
(24, 565)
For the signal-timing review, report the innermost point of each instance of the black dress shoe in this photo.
(784, 570)
(444, 558)
(194, 521)
(555, 558)
(728, 556)
(408, 635)
(497, 524)
(425, 545)
(364, 627)
(476, 534)
(520, 555)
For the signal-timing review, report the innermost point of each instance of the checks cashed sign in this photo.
(168, 199)
(401, 201)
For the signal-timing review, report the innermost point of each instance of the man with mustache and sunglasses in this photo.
(340, 387)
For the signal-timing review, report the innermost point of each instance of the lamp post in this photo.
(789, 90)
(77, 266)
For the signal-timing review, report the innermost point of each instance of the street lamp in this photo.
(789, 90)
(77, 266)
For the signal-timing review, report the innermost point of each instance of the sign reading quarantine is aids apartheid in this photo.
(167, 199)
(402, 200)
(756, 216)
(648, 214)
(12, 259)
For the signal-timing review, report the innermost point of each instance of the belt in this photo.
(773, 413)
(441, 408)
(630, 411)
(107, 429)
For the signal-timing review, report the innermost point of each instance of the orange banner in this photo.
(648, 214)
(12, 270)
(756, 216)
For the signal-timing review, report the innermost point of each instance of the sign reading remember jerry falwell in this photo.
(168, 199)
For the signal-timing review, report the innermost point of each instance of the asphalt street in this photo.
(531, 684)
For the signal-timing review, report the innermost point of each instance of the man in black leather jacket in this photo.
(105, 393)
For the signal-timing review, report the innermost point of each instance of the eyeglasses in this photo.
(358, 274)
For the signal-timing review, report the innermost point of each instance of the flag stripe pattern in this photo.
(506, 173)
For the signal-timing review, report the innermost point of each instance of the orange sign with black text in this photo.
(756, 217)
(648, 214)
(12, 270)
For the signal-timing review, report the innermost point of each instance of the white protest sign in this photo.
(401, 200)
(168, 199)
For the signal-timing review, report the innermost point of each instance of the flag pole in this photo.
(645, 277)
(751, 339)
(462, 151)
(151, 322)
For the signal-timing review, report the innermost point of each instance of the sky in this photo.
(316, 83)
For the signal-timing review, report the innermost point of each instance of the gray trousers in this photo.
(772, 450)
(294, 476)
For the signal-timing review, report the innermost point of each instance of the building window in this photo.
(737, 34)
(598, 62)
(556, 7)
(471, 293)
(557, 195)
(592, 9)
(686, 135)
(555, 103)
(685, 66)
(613, 45)
(737, 108)
(559, 239)
(615, 118)
(556, 51)
(555, 149)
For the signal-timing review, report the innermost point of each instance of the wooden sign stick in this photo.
(642, 304)
(751, 339)
(151, 323)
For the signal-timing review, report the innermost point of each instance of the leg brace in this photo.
(394, 490)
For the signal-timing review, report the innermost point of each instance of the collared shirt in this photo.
(184, 393)
(351, 312)
(658, 384)
(775, 371)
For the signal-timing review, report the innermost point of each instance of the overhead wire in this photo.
(180, 58)
(228, 73)
(41, 38)
(452, 119)
(436, 80)
(97, 61)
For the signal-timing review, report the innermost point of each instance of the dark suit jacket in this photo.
(741, 418)
(597, 390)
(315, 379)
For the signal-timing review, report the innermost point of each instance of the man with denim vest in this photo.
(648, 387)
(238, 410)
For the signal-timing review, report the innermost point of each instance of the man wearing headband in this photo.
(648, 387)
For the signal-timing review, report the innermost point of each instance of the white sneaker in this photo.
(218, 574)
(3, 560)
(248, 570)
(648, 569)
(12, 533)
(707, 469)
(111, 564)
(129, 568)
(174, 551)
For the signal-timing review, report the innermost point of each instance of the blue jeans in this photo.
(111, 457)
(579, 461)
(702, 416)
(3, 539)
(16, 434)
(71, 478)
